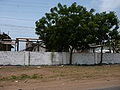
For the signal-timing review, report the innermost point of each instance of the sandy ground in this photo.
(60, 77)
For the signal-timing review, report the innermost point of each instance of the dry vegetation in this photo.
(47, 74)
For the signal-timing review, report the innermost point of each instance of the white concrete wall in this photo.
(12, 58)
(111, 58)
(62, 58)
(55, 58)
(83, 58)
(40, 58)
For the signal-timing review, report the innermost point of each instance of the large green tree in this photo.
(66, 28)
(74, 27)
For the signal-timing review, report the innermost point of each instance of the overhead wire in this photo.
(25, 1)
(11, 18)
(27, 10)
(10, 25)
(29, 3)
(25, 5)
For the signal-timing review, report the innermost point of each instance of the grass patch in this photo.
(34, 76)
(22, 76)
(13, 77)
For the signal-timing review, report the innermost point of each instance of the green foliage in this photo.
(13, 77)
(4, 79)
(34, 76)
(107, 23)
(65, 27)
(74, 27)
(22, 76)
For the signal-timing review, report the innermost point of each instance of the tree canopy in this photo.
(64, 27)
(74, 27)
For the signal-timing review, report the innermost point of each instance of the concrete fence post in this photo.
(95, 58)
(24, 58)
(29, 58)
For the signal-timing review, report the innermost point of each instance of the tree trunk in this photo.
(101, 59)
(71, 53)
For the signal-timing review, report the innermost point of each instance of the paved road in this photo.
(110, 88)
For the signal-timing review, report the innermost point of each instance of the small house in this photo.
(5, 42)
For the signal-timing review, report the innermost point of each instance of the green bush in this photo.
(13, 77)
(24, 76)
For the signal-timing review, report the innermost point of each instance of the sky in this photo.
(17, 17)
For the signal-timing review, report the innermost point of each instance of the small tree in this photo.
(107, 28)
(114, 40)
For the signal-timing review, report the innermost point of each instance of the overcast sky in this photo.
(17, 17)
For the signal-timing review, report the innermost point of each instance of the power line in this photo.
(9, 25)
(29, 2)
(16, 19)
(22, 12)
(20, 5)
(42, 7)
(24, 1)
(26, 10)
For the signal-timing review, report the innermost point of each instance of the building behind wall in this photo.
(5, 42)
(37, 46)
